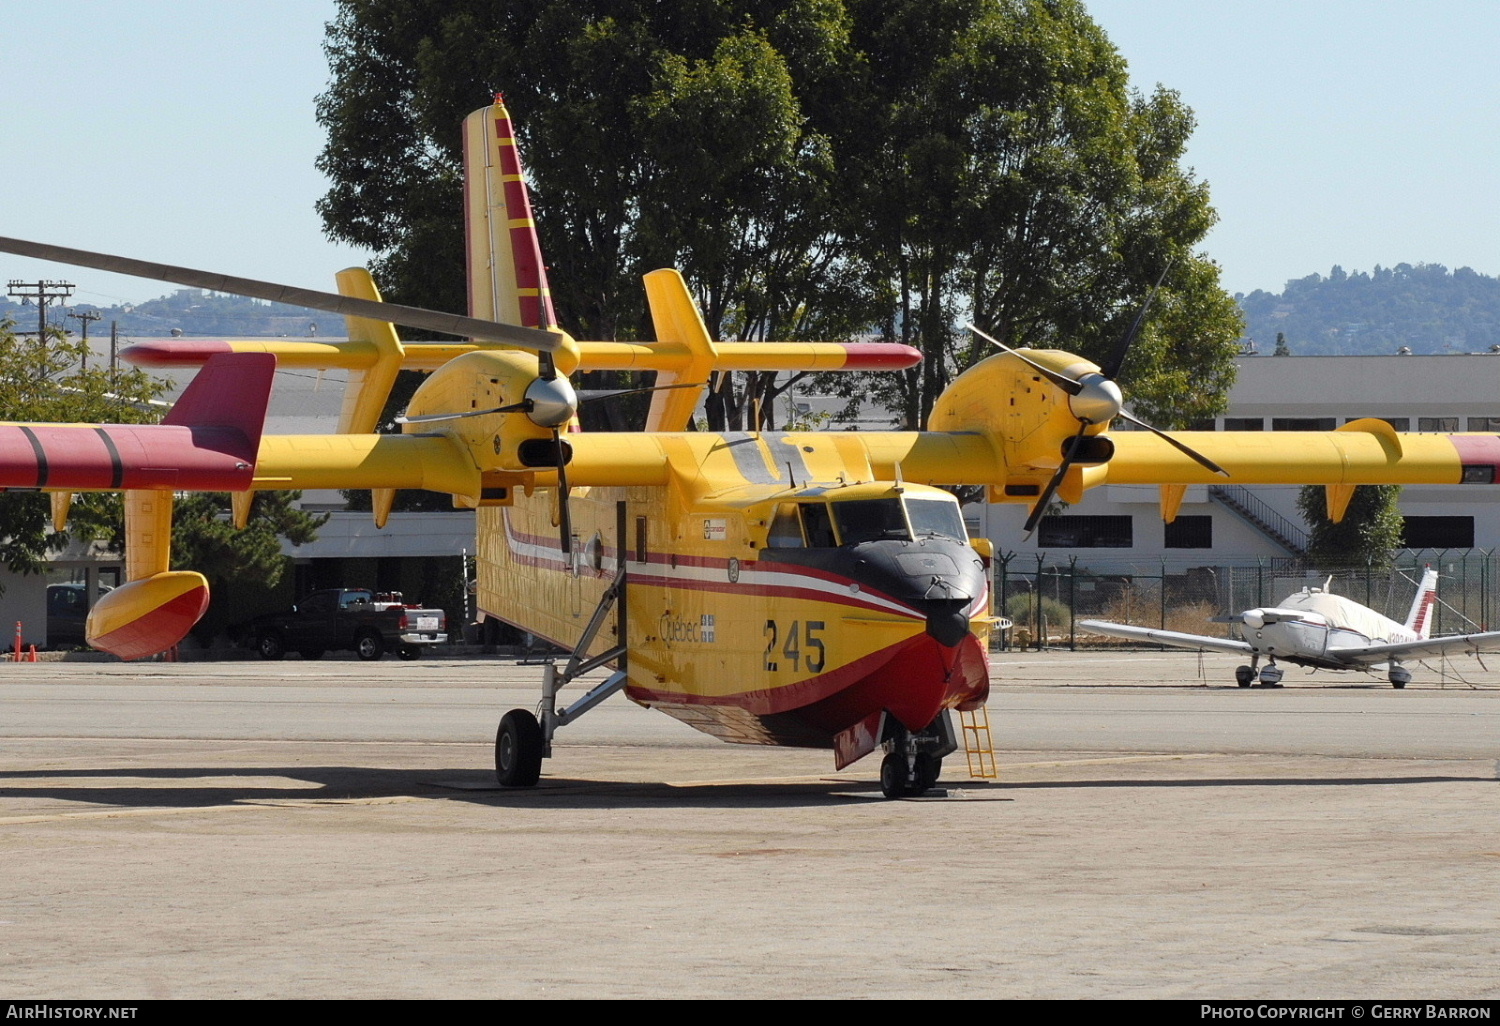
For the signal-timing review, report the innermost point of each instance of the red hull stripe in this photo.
(915, 679)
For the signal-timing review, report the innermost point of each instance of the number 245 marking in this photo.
(808, 652)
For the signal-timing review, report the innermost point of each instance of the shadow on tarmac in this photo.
(345, 783)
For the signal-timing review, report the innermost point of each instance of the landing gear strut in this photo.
(914, 761)
(523, 740)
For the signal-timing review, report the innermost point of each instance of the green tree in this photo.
(1282, 349)
(244, 567)
(43, 380)
(816, 168)
(1368, 535)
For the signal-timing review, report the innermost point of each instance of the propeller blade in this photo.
(1111, 370)
(524, 406)
(1063, 382)
(1057, 479)
(601, 396)
(1186, 450)
(394, 313)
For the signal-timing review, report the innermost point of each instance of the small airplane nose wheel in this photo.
(1270, 676)
(518, 749)
(1244, 676)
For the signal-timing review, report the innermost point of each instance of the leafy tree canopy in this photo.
(1368, 535)
(817, 169)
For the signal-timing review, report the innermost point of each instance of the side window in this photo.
(319, 604)
(786, 529)
(819, 527)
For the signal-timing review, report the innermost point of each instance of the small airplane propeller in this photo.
(1094, 398)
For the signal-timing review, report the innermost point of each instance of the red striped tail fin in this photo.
(507, 279)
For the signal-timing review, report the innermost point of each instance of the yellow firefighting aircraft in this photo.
(770, 587)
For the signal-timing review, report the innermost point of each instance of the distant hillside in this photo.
(1423, 307)
(191, 311)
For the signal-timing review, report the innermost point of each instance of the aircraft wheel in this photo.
(368, 646)
(518, 749)
(409, 652)
(270, 646)
(1398, 684)
(893, 776)
(929, 768)
(311, 654)
(1244, 676)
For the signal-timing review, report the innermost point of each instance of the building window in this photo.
(1485, 424)
(1303, 423)
(1195, 532)
(1200, 424)
(1081, 532)
(1448, 424)
(1398, 423)
(1244, 424)
(1438, 533)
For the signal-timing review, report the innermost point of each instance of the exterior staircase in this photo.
(1261, 517)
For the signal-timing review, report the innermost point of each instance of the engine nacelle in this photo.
(1029, 421)
(478, 381)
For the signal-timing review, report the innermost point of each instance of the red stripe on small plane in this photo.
(880, 356)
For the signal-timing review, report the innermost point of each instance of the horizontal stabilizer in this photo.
(208, 442)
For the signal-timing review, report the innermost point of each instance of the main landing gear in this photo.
(914, 761)
(1399, 676)
(523, 740)
(1270, 675)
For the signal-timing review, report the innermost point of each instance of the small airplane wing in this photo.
(1177, 639)
(1469, 644)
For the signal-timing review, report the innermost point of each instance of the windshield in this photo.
(865, 520)
(936, 517)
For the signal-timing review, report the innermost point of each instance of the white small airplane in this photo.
(1319, 629)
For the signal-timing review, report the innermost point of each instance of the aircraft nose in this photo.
(948, 621)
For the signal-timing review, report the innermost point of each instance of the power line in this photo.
(43, 293)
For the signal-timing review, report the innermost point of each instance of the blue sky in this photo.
(1330, 132)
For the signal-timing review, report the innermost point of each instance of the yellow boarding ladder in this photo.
(978, 746)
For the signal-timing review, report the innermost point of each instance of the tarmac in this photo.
(332, 830)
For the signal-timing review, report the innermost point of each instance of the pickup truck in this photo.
(369, 623)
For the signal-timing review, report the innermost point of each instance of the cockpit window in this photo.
(936, 517)
(819, 528)
(865, 520)
(786, 530)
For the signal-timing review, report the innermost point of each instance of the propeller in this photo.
(535, 339)
(1094, 398)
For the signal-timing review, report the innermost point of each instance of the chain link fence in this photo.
(1044, 598)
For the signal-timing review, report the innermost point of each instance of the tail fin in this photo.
(233, 390)
(1419, 620)
(507, 281)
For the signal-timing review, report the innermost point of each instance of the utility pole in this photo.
(44, 293)
(86, 317)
